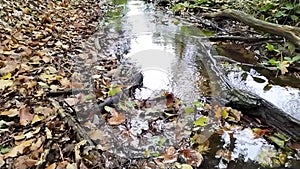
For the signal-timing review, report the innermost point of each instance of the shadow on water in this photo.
(171, 59)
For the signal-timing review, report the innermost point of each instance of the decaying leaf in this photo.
(170, 155)
(77, 150)
(17, 150)
(24, 162)
(25, 116)
(96, 134)
(191, 157)
(117, 117)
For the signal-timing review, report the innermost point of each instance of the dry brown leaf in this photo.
(45, 111)
(17, 150)
(37, 144)
(71, 166)
(72, 101)
(2, 162)
(37, 118)
(170, 155)
(52, 166)
(24, 162)
(96, 134)
(62, 165)
(25, 116)
(191, 157)
(5, 83)
(77, 150)
(117, 117)
(10, 113)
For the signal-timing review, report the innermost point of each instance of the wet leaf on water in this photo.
(162, 141)
(191, 157)
(96, 134)
(171, 102)
(258, 79)
(25, 116)
(170, 155)
(198, 104)
(17, 150)
(260, 132)
(278, 141)
(113, 90)
(189, 110)
(72, 101)
(117, 117)
(267, 87)
(224, 154)
(201, 121)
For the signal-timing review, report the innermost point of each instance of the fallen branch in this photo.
(289, 32)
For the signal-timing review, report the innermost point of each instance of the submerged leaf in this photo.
(113, 90)
(202, 121)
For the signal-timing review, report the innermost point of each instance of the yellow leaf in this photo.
(7, 76)
(18, 149)
(37, 118)
(5, 83)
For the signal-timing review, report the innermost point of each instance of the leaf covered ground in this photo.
(52, 77)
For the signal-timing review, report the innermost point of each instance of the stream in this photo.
(173, 56)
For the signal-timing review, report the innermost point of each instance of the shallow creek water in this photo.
(172, 57)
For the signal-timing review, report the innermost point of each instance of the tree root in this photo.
(289, 32)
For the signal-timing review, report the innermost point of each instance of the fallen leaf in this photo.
(191, 157)
(25, 116)
(170, 155)
(52, 166)
(201, 121)
(24, 162)
(17, 150)
(96, 134)
(117, 117)
(45, 111)
(71, 166)
(37, 118)
(48, 133)
(113, 90)
(10, 113)
(2, 162)
(72, 101)
(5, 83)
(77, 150)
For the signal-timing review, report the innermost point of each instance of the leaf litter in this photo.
(39, 42)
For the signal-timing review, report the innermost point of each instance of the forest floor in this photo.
(40, 85)
(39, 41)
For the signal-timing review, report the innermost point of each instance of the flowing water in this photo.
(173, 57)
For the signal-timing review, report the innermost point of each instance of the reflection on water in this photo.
(286, 98)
